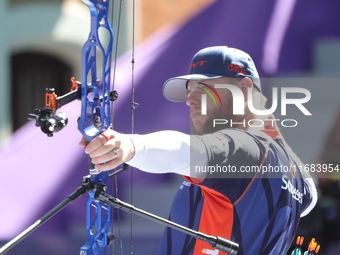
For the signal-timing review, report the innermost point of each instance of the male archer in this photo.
(259, 210)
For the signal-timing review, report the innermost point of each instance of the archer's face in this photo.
(215, 108)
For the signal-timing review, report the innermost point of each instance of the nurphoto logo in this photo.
(238, 103)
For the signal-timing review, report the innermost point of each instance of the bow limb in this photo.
(95, 118)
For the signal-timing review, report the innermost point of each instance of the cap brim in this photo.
(175, 89)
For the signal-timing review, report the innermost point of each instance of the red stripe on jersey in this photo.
(216, 218)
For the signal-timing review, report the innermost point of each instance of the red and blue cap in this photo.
(211, 63)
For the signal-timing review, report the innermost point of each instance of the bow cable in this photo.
(115, 189)
(134, 105)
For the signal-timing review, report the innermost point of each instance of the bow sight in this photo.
(48, 120)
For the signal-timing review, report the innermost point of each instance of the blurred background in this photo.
(293, 43)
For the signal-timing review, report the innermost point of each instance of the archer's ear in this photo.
(244, 84)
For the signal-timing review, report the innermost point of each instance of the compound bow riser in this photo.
(95, 118)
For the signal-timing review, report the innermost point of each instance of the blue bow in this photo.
(95, 118)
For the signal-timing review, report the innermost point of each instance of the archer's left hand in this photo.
(109, 149)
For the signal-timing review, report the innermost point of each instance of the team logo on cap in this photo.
(237, 69)
(199, 63)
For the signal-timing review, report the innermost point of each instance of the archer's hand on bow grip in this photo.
(92, 168)
(109, 150)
